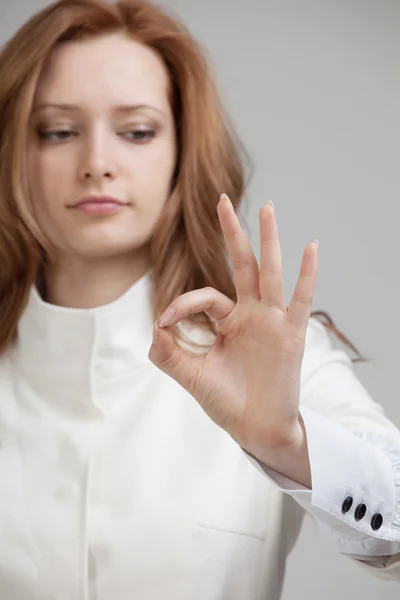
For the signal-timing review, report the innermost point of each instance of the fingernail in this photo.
(271, 204)
(222, 196)
(316, 241)
(166, 317)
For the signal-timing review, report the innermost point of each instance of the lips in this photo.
(93, 200)
(99, 205)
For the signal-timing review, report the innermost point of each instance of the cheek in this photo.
(162, 171)
(49, 176)
(162, 167)
(149, 173)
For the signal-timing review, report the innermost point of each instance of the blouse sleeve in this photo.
(354, 453)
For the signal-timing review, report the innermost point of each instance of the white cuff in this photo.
(355, 496)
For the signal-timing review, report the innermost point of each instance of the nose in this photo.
(97, 162)
(97, 174)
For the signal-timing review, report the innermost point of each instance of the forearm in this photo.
(291, 461)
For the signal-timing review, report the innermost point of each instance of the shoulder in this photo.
(317, 336)
(321, 356)
(322, 340)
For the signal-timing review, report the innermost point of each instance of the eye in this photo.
(59, 134)
(140, 135)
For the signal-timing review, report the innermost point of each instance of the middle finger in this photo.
(271, 279)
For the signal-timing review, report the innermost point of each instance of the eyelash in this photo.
(147, 134)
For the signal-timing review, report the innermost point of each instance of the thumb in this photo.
(172, 360)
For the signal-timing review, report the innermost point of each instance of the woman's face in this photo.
(102, 125)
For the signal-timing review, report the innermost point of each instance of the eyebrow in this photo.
(121, 109)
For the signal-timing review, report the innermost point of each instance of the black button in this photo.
(360, 512)
(347, 504)
(376, 521)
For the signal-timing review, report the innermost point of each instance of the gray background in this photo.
(314, 90)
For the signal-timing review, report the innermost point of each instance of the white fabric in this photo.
(115, 484)
(361, 465)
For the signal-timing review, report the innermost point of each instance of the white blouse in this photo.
(116, 485)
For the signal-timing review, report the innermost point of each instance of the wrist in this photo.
(290, 458)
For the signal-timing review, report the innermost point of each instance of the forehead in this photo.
(110, 68)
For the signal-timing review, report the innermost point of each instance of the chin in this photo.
(105, 239)
(104, 246)
(103, 252)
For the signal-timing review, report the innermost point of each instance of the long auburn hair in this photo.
(187, 246)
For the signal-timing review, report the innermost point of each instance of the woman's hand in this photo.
(249, 381)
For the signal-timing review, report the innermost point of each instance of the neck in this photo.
(77, 283)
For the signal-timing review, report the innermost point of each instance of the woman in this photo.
(181, 467)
